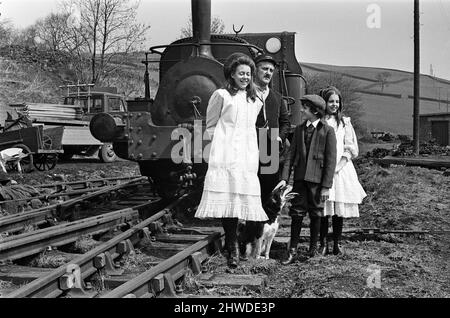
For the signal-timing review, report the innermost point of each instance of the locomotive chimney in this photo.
(201, 27)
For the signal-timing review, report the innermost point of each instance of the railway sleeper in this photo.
(35, 242)
(252, 282)
(160, 280)
(47, 286)
(18, 274)
(71, 284)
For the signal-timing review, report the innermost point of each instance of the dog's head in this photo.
(277, 200)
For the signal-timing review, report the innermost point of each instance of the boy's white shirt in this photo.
(314, 123)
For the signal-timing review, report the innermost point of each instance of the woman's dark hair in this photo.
(230, 66)
(326, 93)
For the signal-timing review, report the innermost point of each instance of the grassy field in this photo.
(382, 111)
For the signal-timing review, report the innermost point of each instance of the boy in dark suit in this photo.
(312, 155)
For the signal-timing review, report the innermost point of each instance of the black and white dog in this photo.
(261, 244)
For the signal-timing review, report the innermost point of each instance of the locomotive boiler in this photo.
(165, 135)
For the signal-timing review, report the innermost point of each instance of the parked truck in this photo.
(80, 103)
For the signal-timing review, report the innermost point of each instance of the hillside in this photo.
(391, 108)
(31, 75)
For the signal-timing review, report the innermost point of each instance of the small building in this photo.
(435, 126)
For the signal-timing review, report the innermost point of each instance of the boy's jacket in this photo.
(321, 162)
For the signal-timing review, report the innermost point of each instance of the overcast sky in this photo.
(338, 32)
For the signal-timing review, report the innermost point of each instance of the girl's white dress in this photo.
(231, 187)
(346, 192)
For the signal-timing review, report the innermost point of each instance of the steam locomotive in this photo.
(160, 134)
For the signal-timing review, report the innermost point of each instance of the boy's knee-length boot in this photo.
(323, 248)
(314, 228)
(338, 223)
(296, 227)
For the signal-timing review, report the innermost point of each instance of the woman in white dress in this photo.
(231, 191)
(346, 192)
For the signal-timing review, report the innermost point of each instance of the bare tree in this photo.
(6, 31)
(11, 35)
(53, 31)
(217, 27)
(107, 30)
(26, 37)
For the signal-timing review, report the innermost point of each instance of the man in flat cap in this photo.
(273, 120)
(273, 126)
(312, 156)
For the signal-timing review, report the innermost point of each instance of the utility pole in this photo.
(416, 78)
(439, 98)
(146, 77)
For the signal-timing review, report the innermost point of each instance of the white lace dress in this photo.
(231, 187)
(346, 192)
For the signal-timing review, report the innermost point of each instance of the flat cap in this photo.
(265, 58)
(316, 100)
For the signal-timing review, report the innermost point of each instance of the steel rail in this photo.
(175, 266)
(13, 223)
(383, 231)
(63, 225)
(373, 231)
(421, 162)
(64, 194)
(34, 243)
(48, 285)
(76, 185)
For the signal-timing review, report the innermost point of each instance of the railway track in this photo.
(61, 191)
(163, 252)
(72, 208)
(172, 256)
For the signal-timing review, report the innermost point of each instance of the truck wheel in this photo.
(106, 153)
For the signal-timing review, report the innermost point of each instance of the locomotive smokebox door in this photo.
(195, 78)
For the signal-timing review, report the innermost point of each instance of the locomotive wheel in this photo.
(106, 153)
(45, 161)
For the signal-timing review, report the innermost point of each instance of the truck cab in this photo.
(79, 104)
(97, 100)
(93, 100)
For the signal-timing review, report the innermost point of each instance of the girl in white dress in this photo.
(346, 192)
(231, 191)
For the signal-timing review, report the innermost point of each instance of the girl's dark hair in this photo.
(230, 66)
(326, 93)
